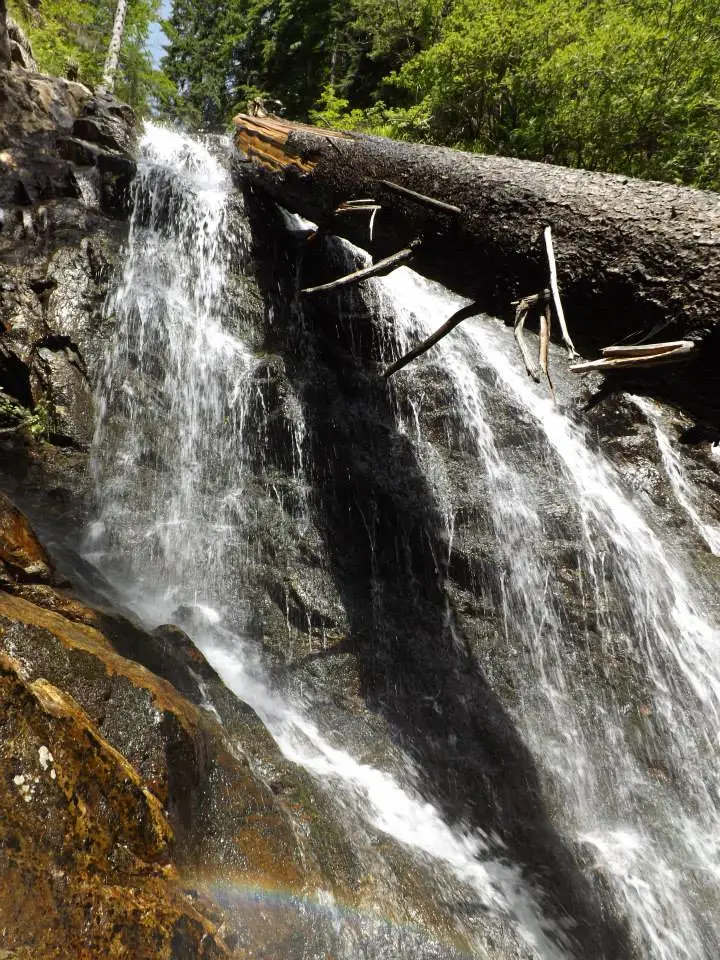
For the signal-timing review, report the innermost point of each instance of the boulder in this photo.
(84, 845)
(137, 793)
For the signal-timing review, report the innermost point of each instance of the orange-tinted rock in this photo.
(156, 792)
(22, 556)
(85, 848)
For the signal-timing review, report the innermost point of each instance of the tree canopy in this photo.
(70, 38)
(630, 86)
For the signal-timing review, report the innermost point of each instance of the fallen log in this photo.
(635, 261)
(633, 257)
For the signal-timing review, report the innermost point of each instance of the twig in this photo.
(421, 198)
(356, 208)
(545, 321)
(462, 314)
(522, 309)
(556, 294)
(376, 270)
(645, 349)
(372, 220)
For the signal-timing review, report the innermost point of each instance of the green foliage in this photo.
(631, 86)
(70, 38)
(38, 422)
(41, 421)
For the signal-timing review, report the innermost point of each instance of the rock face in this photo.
(65, 169)
(391, 607)
(125, 805)
(86, 848)
(135, 789)
(85, 844)
(21, 55)
(138, 795)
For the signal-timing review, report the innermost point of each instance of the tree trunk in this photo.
(4, 39)
(636, 260)
(113, 55)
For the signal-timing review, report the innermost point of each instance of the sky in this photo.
(158, 40)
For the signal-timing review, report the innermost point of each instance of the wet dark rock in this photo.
(105, 126)
(364, 606)
(421, 644)
(21, 54)
(22, 556)
(63, 205)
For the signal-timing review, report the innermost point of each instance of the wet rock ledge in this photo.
(104, 769)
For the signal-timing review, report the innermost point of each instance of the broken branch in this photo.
(462, 314)
(378, 269)
(652, 355)
(545, 321)
(421, 197)
(645, 349)
(556, 294)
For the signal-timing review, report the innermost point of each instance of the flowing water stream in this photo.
(635, 781)
(616, 694)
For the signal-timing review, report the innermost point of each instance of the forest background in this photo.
(627, 86)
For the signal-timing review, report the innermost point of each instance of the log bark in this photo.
(636, 260)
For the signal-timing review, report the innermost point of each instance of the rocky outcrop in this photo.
(393, 597)
(129, 798)
(21, 54)
(86, 848)
(66, 164)
(85, 844)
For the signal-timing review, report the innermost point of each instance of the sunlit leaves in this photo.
(70, 38)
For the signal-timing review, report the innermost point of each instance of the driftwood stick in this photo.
(357, 208)
(532, 299)
(556, 294)
(645, 349)
(421, 198)
(376, 270)
(679, 352)
(521, 312)
(462, 314)
(372, 220)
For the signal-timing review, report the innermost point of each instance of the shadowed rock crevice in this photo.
(387, 545)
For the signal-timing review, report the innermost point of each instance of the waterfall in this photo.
(633, 769)
(181, 415)
(615, 693)
(176, 377)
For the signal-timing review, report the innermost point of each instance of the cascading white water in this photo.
(175, 369)
(625, 724)
(682, 488)
(171, 462)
